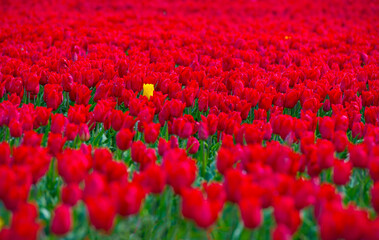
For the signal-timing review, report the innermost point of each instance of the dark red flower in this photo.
(153, 178)
(197, 208)
(124, 139)
(375, 197)
(192, 145)
(71, 194)
(285, 213)
(62, 220)
(53, 96)
(373, 167)
(15, 128)
(340, 141)
(341, 172)
(325, 153)
(32, 84)
(55, 143)
(151, 132)
(83, 132)
(281, 232)
(73, 165)
(251, 212)
(101, 211)
(130, 199)
(163, 146)
(32, 139)
(117, 119)
(225, 160)
(138, 151)
(58, 123)
(100, 158)
(71, 131)
(358, 156)
(326, 127)
(5, 154)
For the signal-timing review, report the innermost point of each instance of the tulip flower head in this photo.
(148, 90)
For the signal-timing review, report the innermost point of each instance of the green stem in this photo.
(203, 158)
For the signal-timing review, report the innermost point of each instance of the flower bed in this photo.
(189, 120)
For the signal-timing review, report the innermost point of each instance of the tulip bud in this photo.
(124, 139)
(84, 134)
(375, 197)
(192, 145)
(341, 172)
(251, 212)
(15, 128)
(71, 194)
(62, 220)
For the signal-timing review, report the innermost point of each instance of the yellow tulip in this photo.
(148, 90)
(1, 223)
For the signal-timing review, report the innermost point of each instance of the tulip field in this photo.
(189, 119)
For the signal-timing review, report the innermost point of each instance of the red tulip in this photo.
(281, 232)
(340, 141)
(225, 160)
(341, 172)
(67, 82)
(326, 127)
(326, 106)
(115, 171)
(71, 194)
(32, 84)
(58, 123)
(325, 153)
(23, 224)
(55, 143)
(196, 207)
(95, 185)
(42, 117)
(124, 139)
(375, 197)
(138, 151)
(371, 115)
(358, 156)
(373, 167)
(78, 114)
(233, 181)
(73, 165)
(163, 146)
(62, 220)
(100, 158)
(181, 171)
(341, 123)
(192, 145)
(15, 128)
(203, 131)
(101, 211)
(153, 178)
(335, 96)
(53, 96)
(285, 213)
(130, 199)
(251, 212)
(83, 132)
(71, 131)
(177, 108)
(357, 130)
(117, 119)
(32, 139)
(174, 143)
(103, 107)
(5, 154)
(151, 132)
